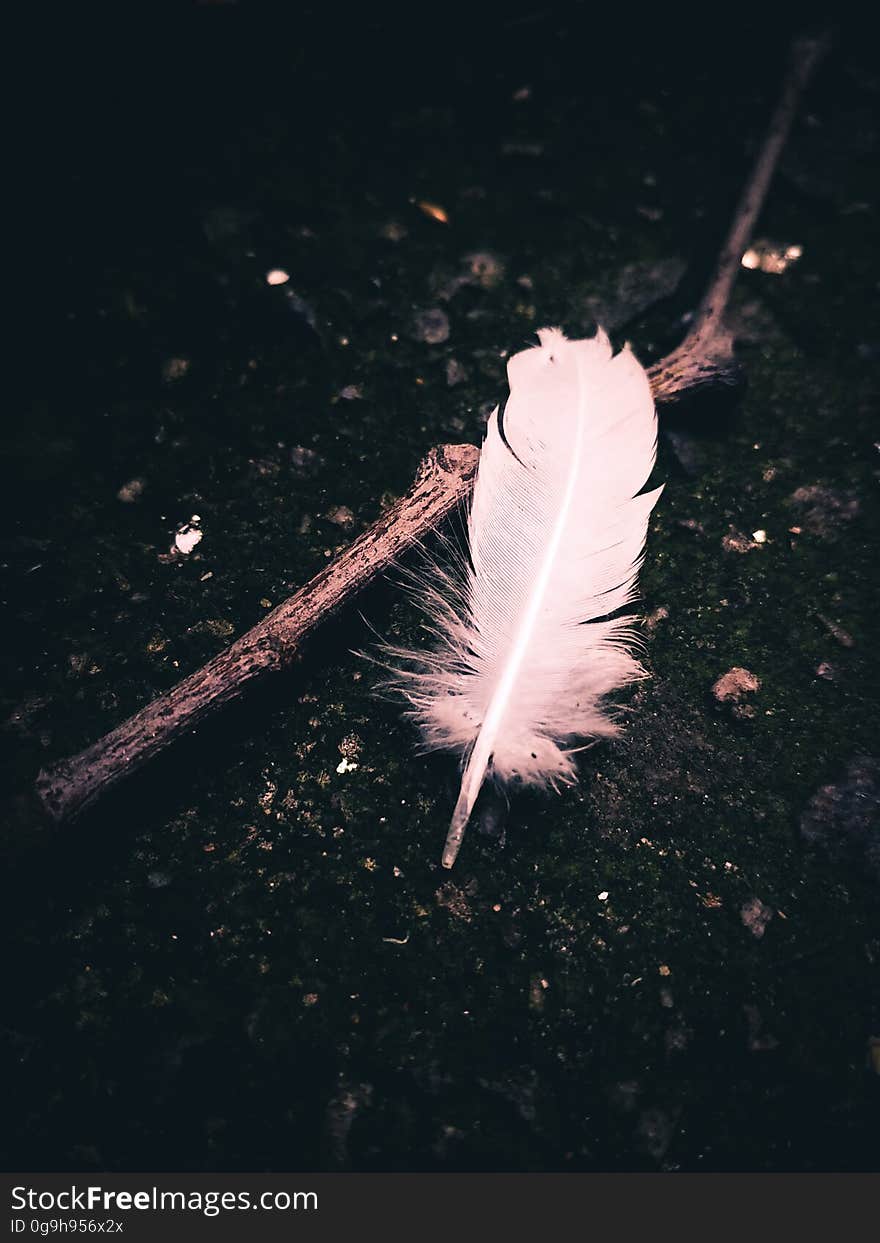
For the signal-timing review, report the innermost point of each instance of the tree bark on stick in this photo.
(705, 357)
(444, 479)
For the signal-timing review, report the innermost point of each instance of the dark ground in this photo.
(249, 960)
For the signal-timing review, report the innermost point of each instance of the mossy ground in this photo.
(248, 960)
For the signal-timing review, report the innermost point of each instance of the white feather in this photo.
(526, 646)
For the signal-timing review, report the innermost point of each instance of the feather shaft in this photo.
(475, 771)
(528, 633)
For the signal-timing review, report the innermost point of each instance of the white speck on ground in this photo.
(187, 538)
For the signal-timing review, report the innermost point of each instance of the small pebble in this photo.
(175, 369)
(431, 326)
(305, 462)
(484, 268)
(341, 515)
(131, 491)
(732, 686)
(655, 617)
(756, 915)
(766, 255)
(736, 541)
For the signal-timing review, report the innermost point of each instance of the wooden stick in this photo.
(705, 357)
(444, 479)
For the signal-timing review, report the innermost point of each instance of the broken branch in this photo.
(442, 481)
(705, 357)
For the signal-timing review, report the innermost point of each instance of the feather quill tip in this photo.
(454, 838)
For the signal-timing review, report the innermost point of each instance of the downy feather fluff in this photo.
(526, 641)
